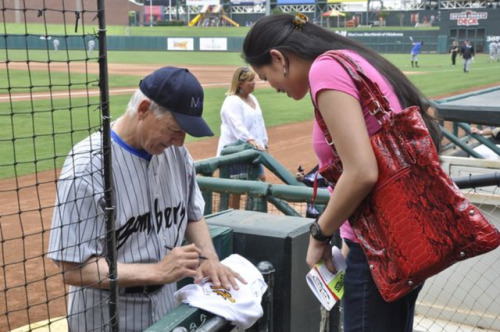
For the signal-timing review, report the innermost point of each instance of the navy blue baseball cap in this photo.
(179, 91)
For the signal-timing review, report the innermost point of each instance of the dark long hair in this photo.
(310, 41)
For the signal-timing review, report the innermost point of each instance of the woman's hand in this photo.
(259, 147)
(256, 145)
(319, 250)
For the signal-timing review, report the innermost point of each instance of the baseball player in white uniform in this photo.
(492, 48)
(56, 44)
(91, 45)
(158, 202)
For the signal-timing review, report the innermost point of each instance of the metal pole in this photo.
(108, 172)
(265, 324)
(213, 324)
(477, 181)
(454, 139)
(367, 12)
(170, 10)
(17, 11)
(150, 13)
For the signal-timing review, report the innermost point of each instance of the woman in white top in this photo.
(242, 121)
(241, 114)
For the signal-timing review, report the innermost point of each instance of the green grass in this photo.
(137, 57)
(38, 81)
(436, 78)
(33, 124)
(20, 81)
(17, 81)
(113, 30)
(178, 58)
(37, 137)
(163, 31)
(57, 29)
(45, 131)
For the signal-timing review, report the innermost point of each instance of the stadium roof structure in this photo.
(311, 6)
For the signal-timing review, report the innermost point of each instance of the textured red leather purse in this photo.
(415, 222)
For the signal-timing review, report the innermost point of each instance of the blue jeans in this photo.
(364, 309)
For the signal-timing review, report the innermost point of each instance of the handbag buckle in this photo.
(379, 109)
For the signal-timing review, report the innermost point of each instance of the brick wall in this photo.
(33, 11)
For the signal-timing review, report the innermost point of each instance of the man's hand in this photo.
(179, 263)
(219, 274)
(211, 268)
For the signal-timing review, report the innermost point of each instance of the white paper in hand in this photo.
(328, 287)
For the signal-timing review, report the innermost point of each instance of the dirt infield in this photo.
(205, 74)
(209, 76)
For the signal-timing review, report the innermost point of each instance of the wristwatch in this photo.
(317, 234)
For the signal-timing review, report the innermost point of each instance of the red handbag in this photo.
(415, 222)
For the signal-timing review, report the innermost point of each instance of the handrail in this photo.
(261, 189)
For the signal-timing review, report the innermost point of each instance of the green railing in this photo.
(258, 193)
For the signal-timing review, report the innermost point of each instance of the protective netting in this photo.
(49, 101)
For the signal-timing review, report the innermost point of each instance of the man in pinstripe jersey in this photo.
(158, 203)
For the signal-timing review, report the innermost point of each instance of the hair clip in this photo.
(299, 21)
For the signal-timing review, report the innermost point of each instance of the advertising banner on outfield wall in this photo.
(469, 17)
(180, 44)
(202, 2)
(213, 44)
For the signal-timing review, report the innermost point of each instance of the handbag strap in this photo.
(370, 94)
(315, 189)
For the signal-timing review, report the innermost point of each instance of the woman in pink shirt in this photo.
(288, 52)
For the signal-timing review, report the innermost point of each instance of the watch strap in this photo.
(317, 233)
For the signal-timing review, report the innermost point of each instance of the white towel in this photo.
(241, 307)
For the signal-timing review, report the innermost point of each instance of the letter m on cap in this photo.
(195, 102)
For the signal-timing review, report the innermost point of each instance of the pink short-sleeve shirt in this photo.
(328, 74)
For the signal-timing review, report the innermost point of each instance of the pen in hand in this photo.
(200, 256)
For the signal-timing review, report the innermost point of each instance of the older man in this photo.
(158, 203)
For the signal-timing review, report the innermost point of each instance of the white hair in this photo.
(136, 100)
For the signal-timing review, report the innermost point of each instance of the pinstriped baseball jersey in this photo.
(155, 197)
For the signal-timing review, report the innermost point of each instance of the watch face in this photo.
(316, 232)
(314, 229)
